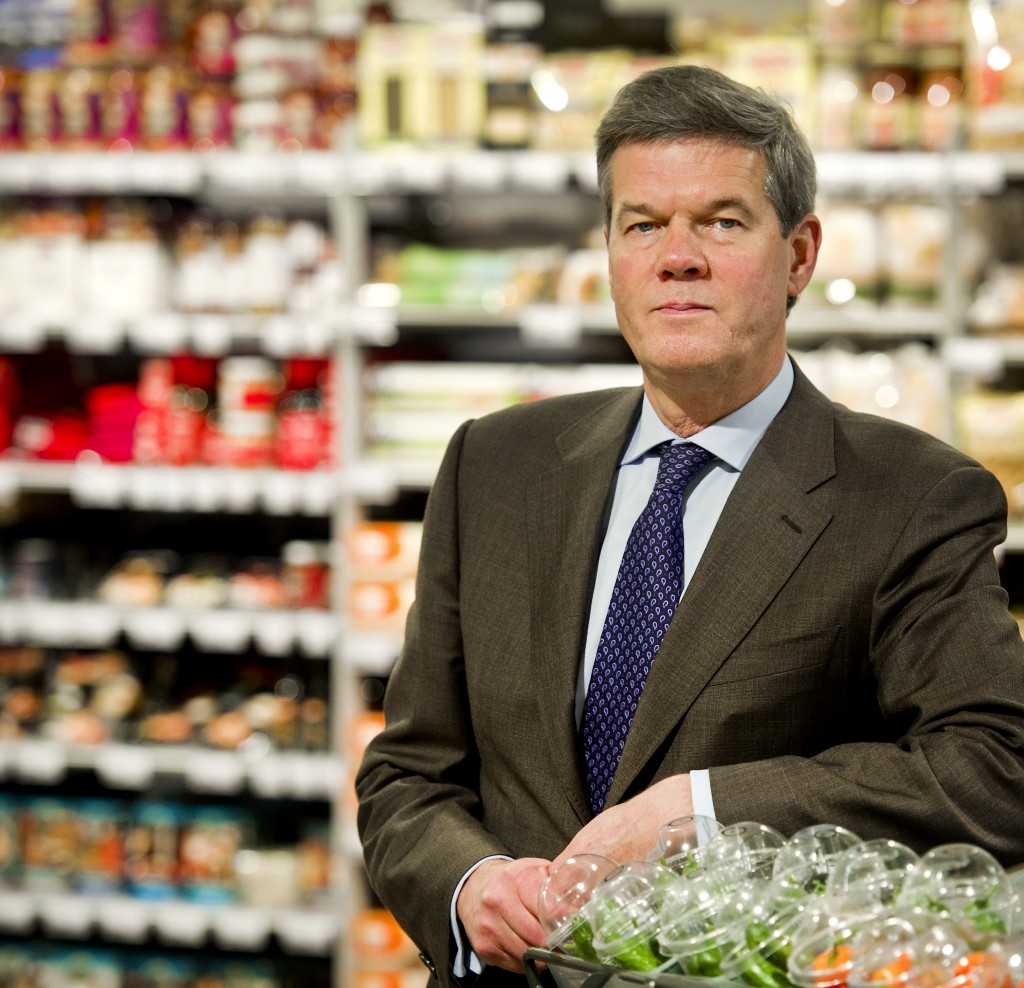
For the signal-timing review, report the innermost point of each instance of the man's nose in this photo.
(682, 253)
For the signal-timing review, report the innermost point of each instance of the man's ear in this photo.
(805, 242)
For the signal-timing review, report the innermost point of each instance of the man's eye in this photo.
(726, 224)
(644, 227)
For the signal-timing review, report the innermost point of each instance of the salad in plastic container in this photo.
(963, 886)
(563, 899)
(681, 842)
(626, 913)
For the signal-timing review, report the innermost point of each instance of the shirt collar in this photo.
(732, 439)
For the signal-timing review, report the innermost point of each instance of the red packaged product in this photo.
(120, 101)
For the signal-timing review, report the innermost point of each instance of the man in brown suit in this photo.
(842, 651)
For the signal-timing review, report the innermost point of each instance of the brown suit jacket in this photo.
(842, 654)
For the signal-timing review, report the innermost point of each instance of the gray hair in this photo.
(684, 102)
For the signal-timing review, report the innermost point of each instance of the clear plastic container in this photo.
(626, 913)
(964, 886)
(562, 904)
(681, 842)
(891, 961)
(805, 861)
(747, 850)
(696, 920)
(764, 926)
(830, 940)
(871, 873)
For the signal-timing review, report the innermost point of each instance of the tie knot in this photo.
(680, 463)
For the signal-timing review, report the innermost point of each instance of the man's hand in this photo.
(498, 910)
(627, 831)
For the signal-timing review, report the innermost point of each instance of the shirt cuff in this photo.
(700, 793)
(466, 960)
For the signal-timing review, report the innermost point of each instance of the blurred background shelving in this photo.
(258, 260)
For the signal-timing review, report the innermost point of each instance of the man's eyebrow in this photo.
(715, 206)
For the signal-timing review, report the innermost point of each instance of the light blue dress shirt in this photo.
(732, 440)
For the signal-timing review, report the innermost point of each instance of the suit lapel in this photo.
(768, 525)
(566, 517)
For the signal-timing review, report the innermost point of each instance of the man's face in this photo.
(699, 269)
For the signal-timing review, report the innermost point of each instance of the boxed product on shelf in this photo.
(421, 83)
(909, 384)
(996, 79)
(990, 427)
(998, 305)
(210, 840)
(159, 851)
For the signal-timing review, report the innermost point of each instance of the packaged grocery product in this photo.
(383, 549)
(152, 836)
(211, 837)
(100, 863)
(563, 904)
(50, 843)
(681, 842)
(376, 940)
(963, 886)
(59, 967)
(697, 922)
(743, 851)
(890, 110)
(805, 861)
(626, 915)
(10, 845)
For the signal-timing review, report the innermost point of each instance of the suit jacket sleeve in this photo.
(419, 812)
(947, 668)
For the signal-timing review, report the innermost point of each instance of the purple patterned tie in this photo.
(646, 592)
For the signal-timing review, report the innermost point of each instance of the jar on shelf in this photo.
(162, 118)
(39, 113)
(890, 107)
(843, 22)
(839, 103)
(941, 22)
(941, 104)
(10, 104)
(119, 102)
(78, 99)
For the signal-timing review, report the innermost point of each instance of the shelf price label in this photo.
(241, 928)
(123, 766)
(67, 915)
(17, 911)
(214, 772)
(181, 923)
(308, 932)
(124, 919)
(44, 762)
(154, 627)
(220, 630)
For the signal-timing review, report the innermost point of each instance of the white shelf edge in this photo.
(167, 488)
(408, 170)
(282, 774)
(307, 930)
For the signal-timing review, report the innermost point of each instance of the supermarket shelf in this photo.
(185, 924)
(328, 173)
(132, 767)
(811, 322)
(211, 334)
(89, 624)
(95, 484)
(542, 325)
